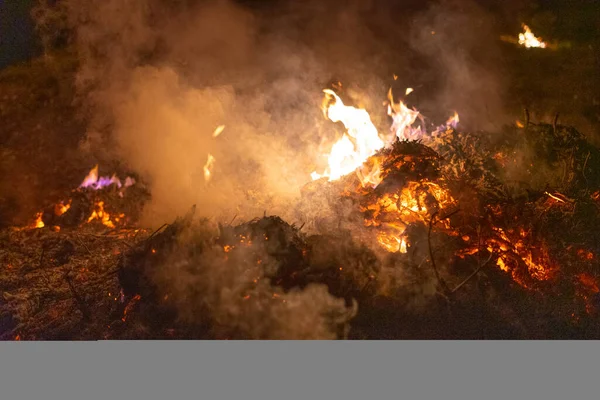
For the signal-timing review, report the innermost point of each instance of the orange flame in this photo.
(359, 143)
(392, 213)
(101, 215)
(403, 118)
(38, 221)
(61, 208)
(528, 39)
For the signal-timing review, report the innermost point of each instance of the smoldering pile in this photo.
(480, 245)
(490, 251)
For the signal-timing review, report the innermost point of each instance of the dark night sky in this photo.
(577, 19)
(17, 39)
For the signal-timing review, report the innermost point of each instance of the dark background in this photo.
(17, 36)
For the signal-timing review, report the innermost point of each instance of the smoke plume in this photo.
(160, 76)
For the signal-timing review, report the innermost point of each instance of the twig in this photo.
(233, 219)
(554, 123)
(472, 274)
(42, 257)
(527, 118)
(301, 226)
(83, 244)
(156, 231)
(437, 275)
(449, 215)
(585, 165)
(82, 306)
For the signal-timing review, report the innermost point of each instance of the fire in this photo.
(208, 167)
(391, 242)
(96, 182)
(529, 40)
(403, 118)
(61, 208)
(38, 221)
(359, 143)
(392, 213)
(370, 173)
(453, 121)
(516, 249)
(101, 215)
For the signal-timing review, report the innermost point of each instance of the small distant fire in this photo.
(101, 215)
(92, 182)
(528, 39)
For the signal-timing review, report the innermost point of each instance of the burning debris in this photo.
(88, 202)
(528, 39)
(408, 233)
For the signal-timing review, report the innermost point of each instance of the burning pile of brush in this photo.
(398, 221)
(92, 202)
(410, 232)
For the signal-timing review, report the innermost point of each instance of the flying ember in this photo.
(208, 167)
(218, 131)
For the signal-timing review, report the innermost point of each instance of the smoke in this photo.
(459, 41)
(158, 77)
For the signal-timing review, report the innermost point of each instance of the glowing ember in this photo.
(218, 131)
(208, 167)
(555, 197)
(392, 243)
(392, 213)
(529, 40)
(359, 143)
(61, 208)
(130, 306)
(516, 250)
(589, 282)
(408, 91)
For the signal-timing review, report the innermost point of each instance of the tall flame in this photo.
(403, 118)
(359, 143)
